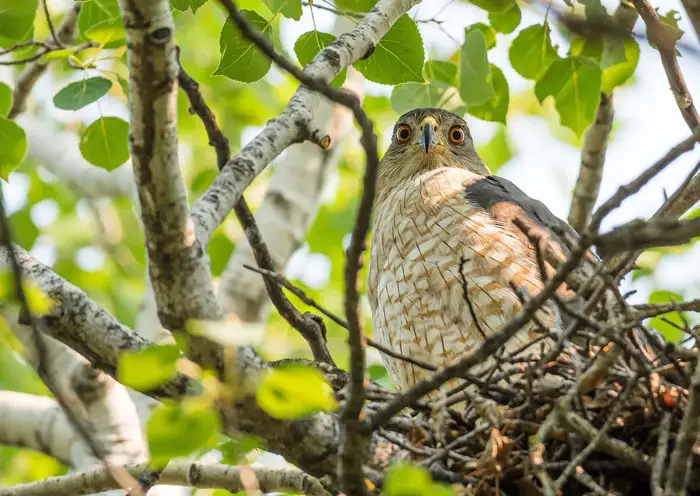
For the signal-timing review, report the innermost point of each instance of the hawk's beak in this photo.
(427, 139)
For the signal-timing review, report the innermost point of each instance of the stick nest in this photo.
(608, 425)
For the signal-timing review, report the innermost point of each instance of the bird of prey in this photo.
(449, 265)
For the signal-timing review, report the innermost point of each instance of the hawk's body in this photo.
(441, 227)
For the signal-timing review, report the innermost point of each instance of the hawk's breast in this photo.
(430, 247)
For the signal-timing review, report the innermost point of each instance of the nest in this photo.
(612, 424)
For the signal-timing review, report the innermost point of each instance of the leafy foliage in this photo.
(105, 142)
(241, 60)
(13, 146)
(81, 93)
(295, 391)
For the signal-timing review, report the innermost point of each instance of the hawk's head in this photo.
(426, 139)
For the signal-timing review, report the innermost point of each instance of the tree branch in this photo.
(31, 73)
(682, 456)
(293, 124)
(176, 259)
(199, 475)
(640, 234)
(692, 8)
(592, 160)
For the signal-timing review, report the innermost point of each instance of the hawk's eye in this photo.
(403, 133)
(456, 135)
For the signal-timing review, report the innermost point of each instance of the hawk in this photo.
(448, 263)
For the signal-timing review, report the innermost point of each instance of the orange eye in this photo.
(456, 135)
(403, 133)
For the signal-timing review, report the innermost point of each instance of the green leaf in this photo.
(493, 5)
(670, 332)
(532, 51)
(440, 70)
(241, 60)
(498, 151)
(13, 146)
(149, 368)
(183, 5)
(409, 96)
(6, 99)
(410, 480)
(101, 22)
(180, 430)
(506, 21)
(475, 83)
(105, 143)
(17, 19)
(288, 8)
(39, 302)
(616, 69)
(496, 108)
(355, 5)
(295, 391)
(670, 23)
(309, 44)
(486, 30)
(24, 231)
(398, 57)
(81, 93)
(574, 82)
(235, 449)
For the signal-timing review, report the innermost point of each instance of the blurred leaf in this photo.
(355, 5)
(398, 57)
(507, 20)
(670, 332)
(105, 143)
(101, 21)
(309, 44)
(486, 30)
(24, 232)
(149, 368)
(288, 8)
(229, 332)
(17, 19)
(39, 302)
(670, 23)
(220, 249)
(295, 391)
(180, 430)
(409, 96)
(475, 82)
(233, 450)
(616, 69)
(81, 93)
(498, 151)
(13, 146)
(493, 5)
(183, 5)
(440, 70)
(532, 52)
(496, 108)
(241, 60)
(574, 82)
(410, 480)
(5, 99)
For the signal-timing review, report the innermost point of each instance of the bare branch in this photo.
(176, 259)
(312, 330)
(199, 475)
(292, 126)
(26, 81)
(667, 51)
(640, 234)
(657, 470)
(592, 159)
(682, 456)
(692, 7)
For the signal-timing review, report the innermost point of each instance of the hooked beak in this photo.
(427, 139)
